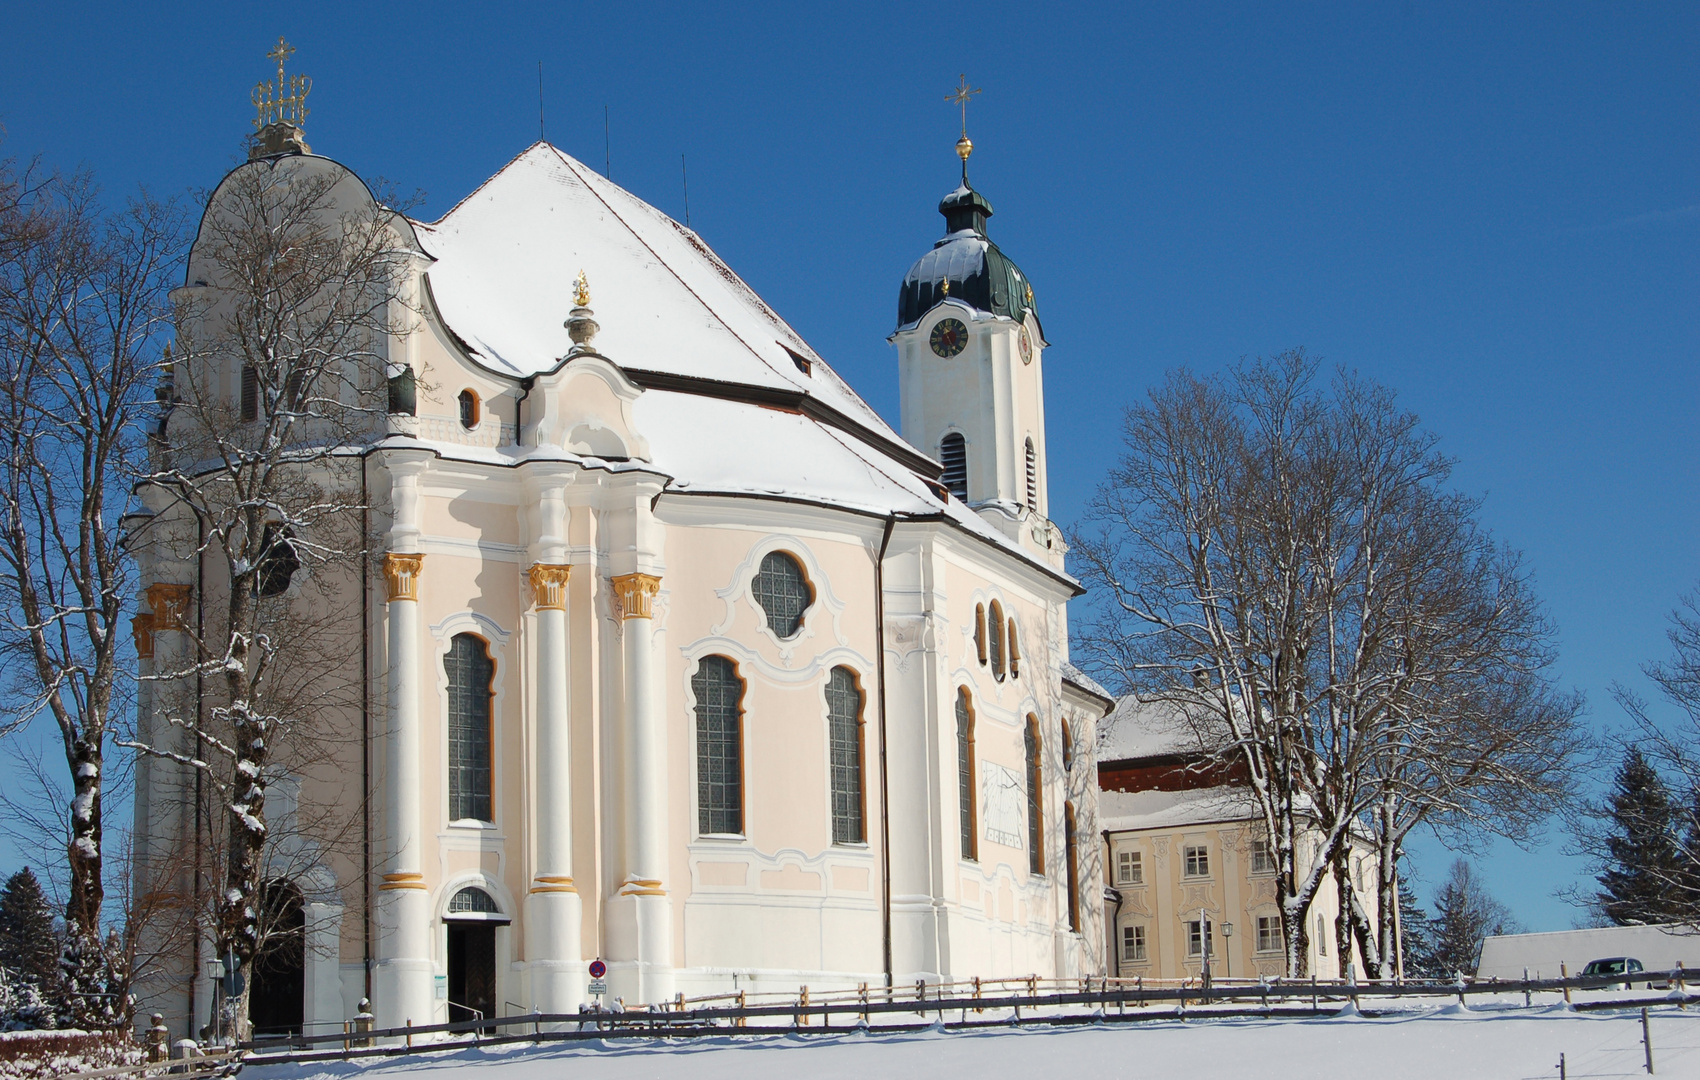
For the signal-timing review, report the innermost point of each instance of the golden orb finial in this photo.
(581, 290)
(964, 147)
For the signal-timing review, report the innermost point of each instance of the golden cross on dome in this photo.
(283, 101)
(960, 97)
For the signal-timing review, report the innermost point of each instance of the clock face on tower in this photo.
(1026, 346)
(950, 337)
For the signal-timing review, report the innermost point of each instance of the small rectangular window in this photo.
(1133, 944)
(1130, 868)
(1197, 860)
(1268, 933)
(1321, 936)
(1262, 857)
(1197, 937)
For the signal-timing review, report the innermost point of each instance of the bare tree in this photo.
(278, 388)
(82, 309)
(1286, 565)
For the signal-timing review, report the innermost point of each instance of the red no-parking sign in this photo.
(598, 969)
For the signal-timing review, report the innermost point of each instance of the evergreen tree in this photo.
(29, 941)
(1644, 871)
(1464, 915)
(1416, 936)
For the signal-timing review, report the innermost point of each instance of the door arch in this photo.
(278, 974)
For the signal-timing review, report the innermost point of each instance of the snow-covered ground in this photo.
(1442, 1042)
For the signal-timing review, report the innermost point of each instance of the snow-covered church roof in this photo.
(727, 406)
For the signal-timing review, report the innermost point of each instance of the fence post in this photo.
(1525, 988)
(363, 1024)
(863, 995)
(1564, 973)
(803, 1008)
(1647, 1039)
(410, 1033)
(742, 1020)
(159, 1038)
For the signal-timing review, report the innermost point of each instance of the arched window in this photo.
(468, 409)
(278, 561)
(720, 746)
(980, 632)
(1014, 648)
(994, 634)
(1067, 747)
(783, 593)
(473, 901)
(470, 671)
(1035, 801)
(1073, 868)
(1032, 479)
(844, 717)
(953, 455)
(965, 782)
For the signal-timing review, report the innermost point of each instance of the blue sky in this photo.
(1493, 208)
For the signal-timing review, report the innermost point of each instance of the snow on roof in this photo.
(1086, 682)
(1139, 729)
(1122, 811)
(507, 255)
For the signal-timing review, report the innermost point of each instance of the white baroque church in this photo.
(678, 655)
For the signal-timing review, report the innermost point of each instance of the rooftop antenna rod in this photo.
(687, 178)
(607, 148)
(540, 136)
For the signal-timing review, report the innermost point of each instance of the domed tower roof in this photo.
(965, 265)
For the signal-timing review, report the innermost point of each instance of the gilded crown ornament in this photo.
(280, 108)
(581, 327)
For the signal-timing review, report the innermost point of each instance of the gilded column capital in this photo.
(549, 586)
(401, 574)
(142, 627)
(637, 595)
(170, 603)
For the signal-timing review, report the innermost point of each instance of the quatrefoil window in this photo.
(783, 593)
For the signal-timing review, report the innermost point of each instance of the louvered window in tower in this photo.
(965, 773)
(1032, 479)
(469, 669)
(783, 593)
(250, 393)
(953, 455)
(720, 750)
(844, 715)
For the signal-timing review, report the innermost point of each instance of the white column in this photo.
(554, 912)
(401, 978)
(646, 787)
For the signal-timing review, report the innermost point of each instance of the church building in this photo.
(674, 653)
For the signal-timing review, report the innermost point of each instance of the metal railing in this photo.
(1028, 999)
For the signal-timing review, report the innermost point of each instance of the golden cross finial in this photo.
(960, 97)
(581, 290)
(283, 101)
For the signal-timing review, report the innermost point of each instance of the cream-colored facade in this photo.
(593, 530)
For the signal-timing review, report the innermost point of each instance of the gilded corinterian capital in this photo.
(401, 573)
(170, 603)
(549, 586)
(637, 595)
(142, 626)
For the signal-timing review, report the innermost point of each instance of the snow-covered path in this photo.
(1443, 1044)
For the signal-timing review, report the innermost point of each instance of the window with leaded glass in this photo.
(1035, 801)
(965, 773)
(783, 593)
(980, 632)
(473, 901)
(1072, 858)
(994, 638)
(844, 716)
(720, 746)
(469, 669)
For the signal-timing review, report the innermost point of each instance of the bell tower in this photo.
(970, 365)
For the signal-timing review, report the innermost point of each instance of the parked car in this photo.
(1612, 965)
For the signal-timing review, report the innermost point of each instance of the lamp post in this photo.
(215, 972)
(1228, 948)
(1204, 933)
